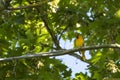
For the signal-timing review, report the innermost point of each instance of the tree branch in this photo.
(28, 6)
(52, 34)
(50, 31)
(61, 52)
(63, 32)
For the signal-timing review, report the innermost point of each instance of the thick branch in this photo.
(61, 52)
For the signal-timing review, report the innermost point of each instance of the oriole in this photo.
(79, 42)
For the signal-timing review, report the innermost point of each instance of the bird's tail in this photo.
(83, 55)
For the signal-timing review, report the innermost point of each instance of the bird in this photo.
(79, 42)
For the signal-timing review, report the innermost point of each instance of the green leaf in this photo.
(96, 57)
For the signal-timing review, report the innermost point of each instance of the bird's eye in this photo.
(77, 36)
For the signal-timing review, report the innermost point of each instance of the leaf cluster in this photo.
(34, 29)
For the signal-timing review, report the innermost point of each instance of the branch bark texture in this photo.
(60, 52)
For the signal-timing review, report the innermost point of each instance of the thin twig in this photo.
(63, 32)
(27, 6)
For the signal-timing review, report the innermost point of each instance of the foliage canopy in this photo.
(32, 26)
